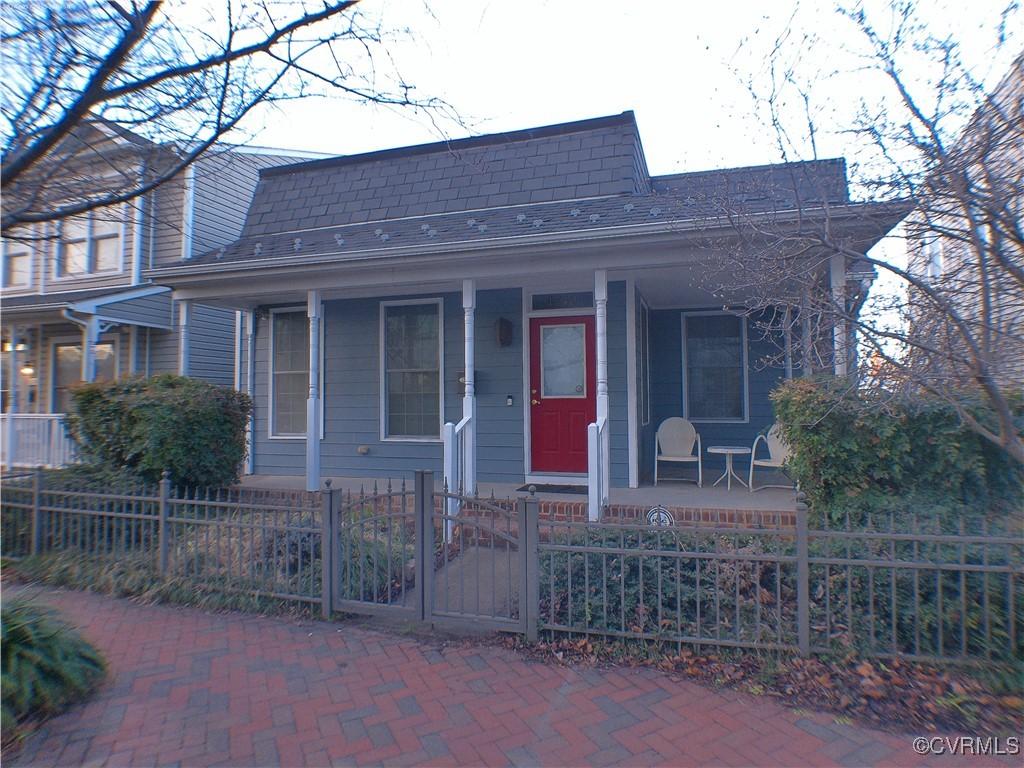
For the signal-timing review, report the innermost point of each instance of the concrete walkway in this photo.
(189, 688)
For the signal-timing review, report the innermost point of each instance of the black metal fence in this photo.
(255, 541)
(884, 585)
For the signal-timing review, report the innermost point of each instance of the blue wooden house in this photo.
(518, 308)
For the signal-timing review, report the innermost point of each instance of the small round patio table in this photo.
(729, 451)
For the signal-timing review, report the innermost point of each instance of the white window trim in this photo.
(293, 309)
(63, 340)
(384, 436)
(528, 312)
(746, 369)
(31, 268)
(58, 245)
(644, 387)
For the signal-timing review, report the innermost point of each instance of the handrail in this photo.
(456, 469)
(35, 440)
(597, 468)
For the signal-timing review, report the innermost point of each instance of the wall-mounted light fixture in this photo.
(509, 401)
(27, 370)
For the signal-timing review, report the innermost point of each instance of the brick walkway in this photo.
(190, 688)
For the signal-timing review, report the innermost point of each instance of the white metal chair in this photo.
(675, 442)
(778, 452)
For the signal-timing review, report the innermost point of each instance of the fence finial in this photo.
(533, 490)
(165, 475)
(327, 483)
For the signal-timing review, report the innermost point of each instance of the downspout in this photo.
(250, 387)
(138, 221)
(189, 213)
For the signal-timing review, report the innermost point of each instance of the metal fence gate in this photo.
(433, 555)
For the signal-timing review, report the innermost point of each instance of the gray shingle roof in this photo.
(589, 158)
(548, 181)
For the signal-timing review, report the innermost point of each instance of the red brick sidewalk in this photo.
(189, 688)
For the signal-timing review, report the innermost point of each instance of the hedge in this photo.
(193, 429)
(853, 449)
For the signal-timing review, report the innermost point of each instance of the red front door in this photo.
(563, 392)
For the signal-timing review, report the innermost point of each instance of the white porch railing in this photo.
(35, 440)
(458, 465)
(597, 468)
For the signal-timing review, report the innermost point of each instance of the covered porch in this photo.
(359, 381)
(50, 342)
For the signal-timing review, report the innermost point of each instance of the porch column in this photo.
(314, 313)
(133, 350)
(10, 432)
(469, 400)
(840, 340)
(184, 336)
(250, 385)
(90, 338)
(601, 322)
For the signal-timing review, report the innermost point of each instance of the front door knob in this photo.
(535, 402)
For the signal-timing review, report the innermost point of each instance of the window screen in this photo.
(412, 370)
(715, 379)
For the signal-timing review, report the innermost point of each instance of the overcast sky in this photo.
(682, 67)
(679, 65)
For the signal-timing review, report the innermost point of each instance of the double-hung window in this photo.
(289, 372)
(67, 370)
(715, 362)
(411, 370)
(90, 243)
(17, 267)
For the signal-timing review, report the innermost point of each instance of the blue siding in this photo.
(152, 310)
(617, 384)
(499, 372)
(352, 392)
(645, 432)
(667, 390)
(212, 344)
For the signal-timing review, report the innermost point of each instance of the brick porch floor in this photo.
(189, 688)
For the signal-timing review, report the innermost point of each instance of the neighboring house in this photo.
(514, 308)
(967, 243)
(76, 307)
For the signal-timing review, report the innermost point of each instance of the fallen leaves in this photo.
(892, 694)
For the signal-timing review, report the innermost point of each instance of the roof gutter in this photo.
(688, 227)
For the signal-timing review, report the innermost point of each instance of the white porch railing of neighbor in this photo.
(35, 440)
(597, 468)
(458, 464)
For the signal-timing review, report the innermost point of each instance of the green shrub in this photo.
(626, 581)
(193, 429)
(46, 664)
(851, 448)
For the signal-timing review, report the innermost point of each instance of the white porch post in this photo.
(601, 317)
(314, 313)
(11, 433)
(250, 385)
(840, 341)
(184, 336)
(133, 350)
(469, 400)
(90, 338)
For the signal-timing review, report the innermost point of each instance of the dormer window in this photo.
(89, 244)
